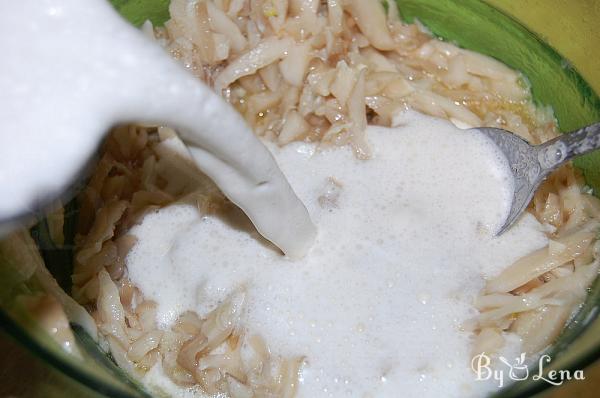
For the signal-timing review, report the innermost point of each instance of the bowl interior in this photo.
(471, 24)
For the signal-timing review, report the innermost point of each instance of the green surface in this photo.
(562, 24)
(469, 23)
(475, 25)
(138, 11)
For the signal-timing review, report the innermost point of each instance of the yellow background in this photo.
(572, 27)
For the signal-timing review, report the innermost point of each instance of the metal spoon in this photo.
(531, 164)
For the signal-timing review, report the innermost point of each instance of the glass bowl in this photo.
(472, 24)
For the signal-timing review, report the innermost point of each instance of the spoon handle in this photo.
(559, 150)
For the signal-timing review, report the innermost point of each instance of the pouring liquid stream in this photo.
(84, 70)
(382, 290)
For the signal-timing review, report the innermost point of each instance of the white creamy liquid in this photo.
(405, 241)
(71, 69)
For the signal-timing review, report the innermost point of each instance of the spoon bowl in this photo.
(531, 164)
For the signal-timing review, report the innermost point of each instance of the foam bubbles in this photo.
(404, 241)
